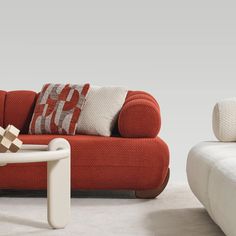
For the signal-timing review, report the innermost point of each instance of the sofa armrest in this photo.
(140, 116)
(224, 120)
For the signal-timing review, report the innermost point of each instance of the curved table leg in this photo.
(58, 187)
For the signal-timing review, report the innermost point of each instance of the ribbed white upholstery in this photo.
(211, 171)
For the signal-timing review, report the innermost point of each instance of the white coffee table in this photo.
(57, 156)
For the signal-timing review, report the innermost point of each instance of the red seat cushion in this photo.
(97, 163)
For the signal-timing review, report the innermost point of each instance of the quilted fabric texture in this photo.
(224, 120)
(101, 110)
(58, 108)
(97, 163)
(140, 116)
(211, 171)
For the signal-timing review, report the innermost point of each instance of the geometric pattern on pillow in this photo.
(58, 109)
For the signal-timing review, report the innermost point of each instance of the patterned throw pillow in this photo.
(58, 109)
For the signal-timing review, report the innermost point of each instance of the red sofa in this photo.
(134, 158)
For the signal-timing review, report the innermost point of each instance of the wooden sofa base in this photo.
(152, 193)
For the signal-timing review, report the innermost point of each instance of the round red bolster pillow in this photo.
(140, 116)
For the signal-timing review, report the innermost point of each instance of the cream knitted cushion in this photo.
(224, 120)
(100, 110)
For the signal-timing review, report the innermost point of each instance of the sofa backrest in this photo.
(2, 103)
(139, 116)
(16, 108)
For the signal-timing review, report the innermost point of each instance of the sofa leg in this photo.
(152, 193)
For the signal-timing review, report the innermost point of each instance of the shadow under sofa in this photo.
(134, 158)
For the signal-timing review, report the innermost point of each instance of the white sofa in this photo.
(211, 168)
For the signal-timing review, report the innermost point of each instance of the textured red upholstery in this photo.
(140, 116)
(2, 104)
(19, 106)
(97, 163)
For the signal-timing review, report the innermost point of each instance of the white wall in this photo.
(183, 52)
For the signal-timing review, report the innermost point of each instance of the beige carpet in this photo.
(176, 212)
